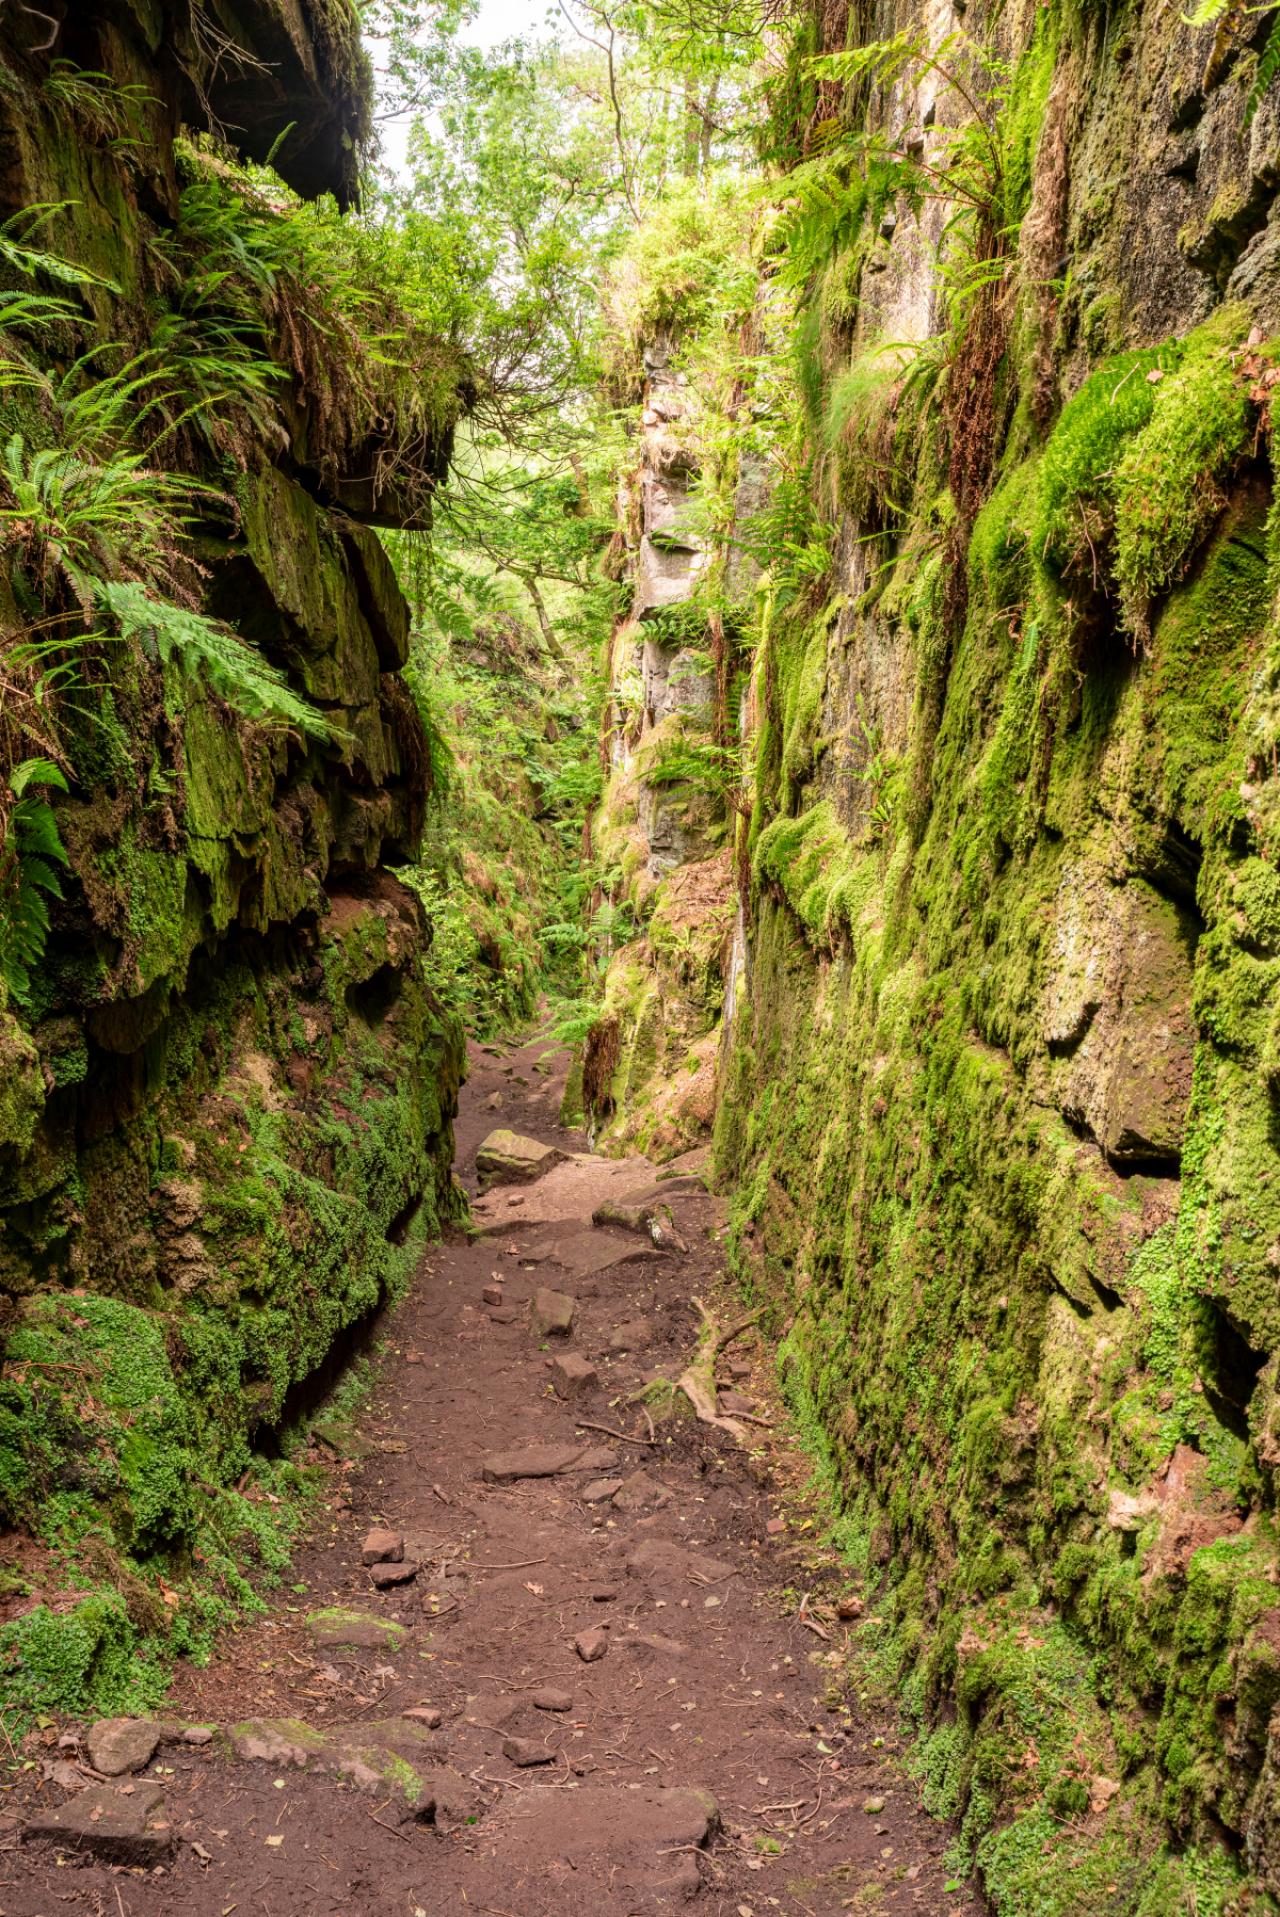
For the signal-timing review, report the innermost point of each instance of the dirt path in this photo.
(615, 1711)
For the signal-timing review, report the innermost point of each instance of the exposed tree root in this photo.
(698, 1380)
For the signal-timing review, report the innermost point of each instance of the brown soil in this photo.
(711, 1679)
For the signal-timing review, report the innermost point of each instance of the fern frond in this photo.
(203, 646)
(1268, 68)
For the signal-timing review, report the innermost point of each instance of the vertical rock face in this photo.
(661, 831)
(226, 1104)
(999, 1097)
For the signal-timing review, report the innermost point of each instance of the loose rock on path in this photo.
(582, 1695)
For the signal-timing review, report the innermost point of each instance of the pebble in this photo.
(382, 1547)
(523, 1751)
(873, 1804)
(383, 1576)
(197, 1734)
(492, 1294)
(551, 1700)
(425, 1714)
(591, 1645)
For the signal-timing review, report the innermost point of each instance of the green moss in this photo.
(1169, 481)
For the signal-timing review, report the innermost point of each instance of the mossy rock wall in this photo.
(999, 1099)
(226, 1111)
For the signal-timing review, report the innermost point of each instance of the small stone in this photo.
(523, 1751)
(120, 1744)
(640, 1492)
(873, 1804)
(551, 1700)
(425, 1714)
(492, 1294)
(503, 1314)
(197, 1734)
(740, 1368)
(603, 1593)
(636, 1334)
(775, 1527)
(551, 1314)
(572, 1374)
(735, 1401)
(382, 1547)
(384, 1576)
(600, 1490)
(848, 1607)
(591, 1645)
(494, 1102)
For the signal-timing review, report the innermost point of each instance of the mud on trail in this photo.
(588, 1698)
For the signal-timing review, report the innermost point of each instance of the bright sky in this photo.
(496, 20)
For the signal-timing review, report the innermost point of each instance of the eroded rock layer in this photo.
(226, 1096)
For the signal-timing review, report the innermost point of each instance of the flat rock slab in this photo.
(653, 1222)
(656, 1557)
(384, 1576)
(120, 1824)
(505, 1158)
(573, 1374)
(551, 1313)
(120, 1744)
(585, 1254)
(286, 1742)
(600, 1490)
(534, 1461)
(551, 1824)
(344, 1630)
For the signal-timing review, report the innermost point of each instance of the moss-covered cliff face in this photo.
(998, 1092)
(227, 1091)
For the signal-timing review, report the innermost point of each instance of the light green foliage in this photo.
(31, 851)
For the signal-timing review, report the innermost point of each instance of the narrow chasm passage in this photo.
(544, 1649)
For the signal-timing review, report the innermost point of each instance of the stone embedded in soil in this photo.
(524, 1751)
(120, 1744)
(654, 1641)
(286, 1742)
(494, 1102)
(640, 1492)
(591, 1645)
(551, 1313)
(531, 1461)
(120, 1824)
(734, 1401)
(505, 1158)
(571, 1374)
(597, 1458)
(603, 1593)
(552, 1700)
(492, 1294)
(657, 1557)
(653, 1222)
(557, 1824)
(384, 1576)
(600, 1490)
(740, 1368)
(424, 1714)
(340, 1629)
(636, 1334)
(198, 1734)
(382, 1547)
(503, 1314)
(873, 1804)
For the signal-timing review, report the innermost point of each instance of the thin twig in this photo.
(585, 1424)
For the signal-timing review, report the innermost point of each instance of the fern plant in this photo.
(31, 852)
(1229, 17)
(206, 648)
